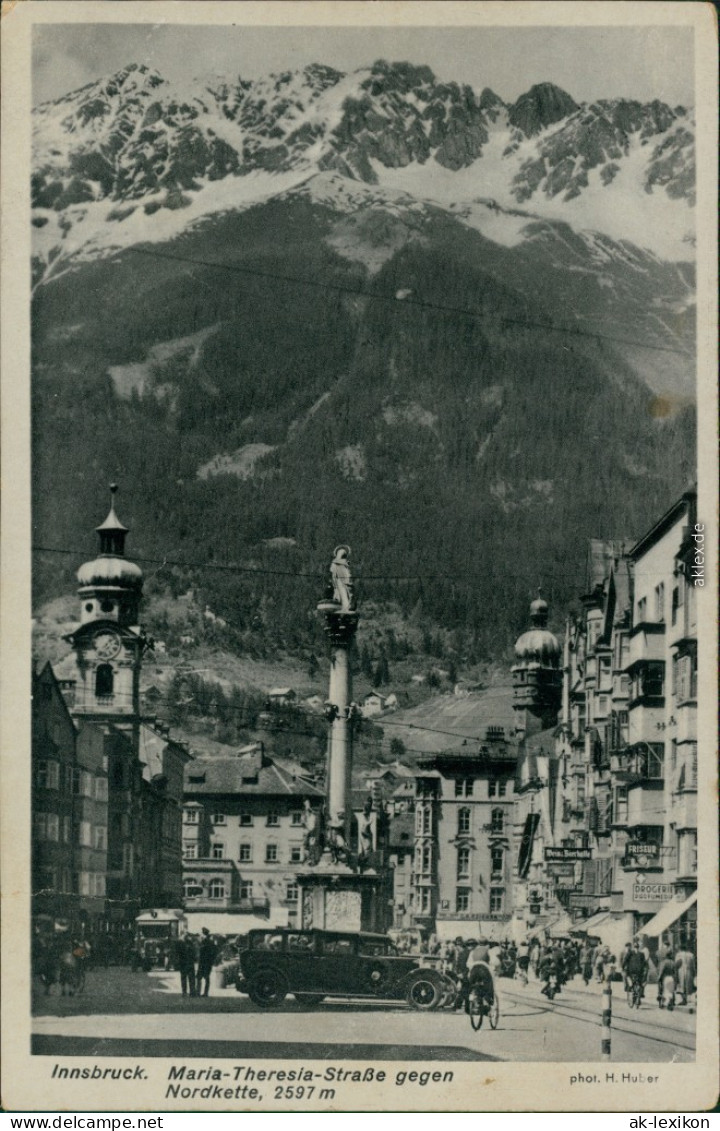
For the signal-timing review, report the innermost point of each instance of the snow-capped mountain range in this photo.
(108, 157)
(458, 331)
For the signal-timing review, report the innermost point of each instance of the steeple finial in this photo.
(112, 532)
(539, 609)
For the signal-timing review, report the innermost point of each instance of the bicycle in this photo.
(479, 1007)
(635, 993)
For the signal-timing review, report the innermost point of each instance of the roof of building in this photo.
(533, 747)
(401, 830)
(404, 787)
(538, 645)
(112, 522)
(448, 721)
(113, 571)
(392, 769)
(684, 505)
(252, 774)
(543, 742)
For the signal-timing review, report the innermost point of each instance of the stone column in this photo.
(340, 760)
(341, 620)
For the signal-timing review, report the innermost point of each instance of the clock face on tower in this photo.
(107, 643)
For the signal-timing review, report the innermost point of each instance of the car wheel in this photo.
(267, 987)
(424, 991)
(309, 999)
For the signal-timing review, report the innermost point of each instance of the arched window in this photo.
(191, 888)
(104, 681)
(463, 821)
(217, 889)
(497, 823)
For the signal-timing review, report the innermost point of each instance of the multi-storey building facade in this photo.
(244, 830)
(462, 866)
(69, 838)
(662, 723)
(137, 768)
(53, 779)
(621, 815)
(90, 822)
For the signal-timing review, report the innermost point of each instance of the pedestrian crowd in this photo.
(552, 963)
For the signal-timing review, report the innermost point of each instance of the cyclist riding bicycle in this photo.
(480, 980)
(636, 968)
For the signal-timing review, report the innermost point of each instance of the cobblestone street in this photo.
(121, 1013)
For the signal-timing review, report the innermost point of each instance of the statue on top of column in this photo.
(339, 596)
(342, 579)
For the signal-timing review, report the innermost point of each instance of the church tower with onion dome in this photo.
(537, 674)
(108, 643)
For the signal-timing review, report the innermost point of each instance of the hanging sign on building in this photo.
(475, 916)
(652, 893)
(565, 869)
(553, 855)
(578, 900)
(635, 848)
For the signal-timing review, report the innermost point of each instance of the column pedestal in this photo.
(337, 899)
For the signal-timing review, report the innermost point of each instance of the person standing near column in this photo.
(206, 958)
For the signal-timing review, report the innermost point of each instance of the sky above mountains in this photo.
(643, 63)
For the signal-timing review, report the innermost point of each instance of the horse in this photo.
(70, 972)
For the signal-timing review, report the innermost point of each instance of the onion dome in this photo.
(111, 568)
(110, 571)
(538, 645)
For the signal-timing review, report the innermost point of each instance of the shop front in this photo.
(675, 922)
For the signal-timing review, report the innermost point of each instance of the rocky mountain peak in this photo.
(399, 77)
(542, 105)
(489, 100)
(135, 143)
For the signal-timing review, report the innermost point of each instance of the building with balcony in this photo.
(461, 883)
(243, 833)
(662, 753)
(129, 772)
(626, 748)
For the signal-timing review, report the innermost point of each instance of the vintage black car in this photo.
(314, 964)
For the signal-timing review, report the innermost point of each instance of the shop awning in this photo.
(227, 923)
(492, 930)
(559, 927)
(590, 925)
(666, 916)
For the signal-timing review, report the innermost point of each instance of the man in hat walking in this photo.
(206, 958)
